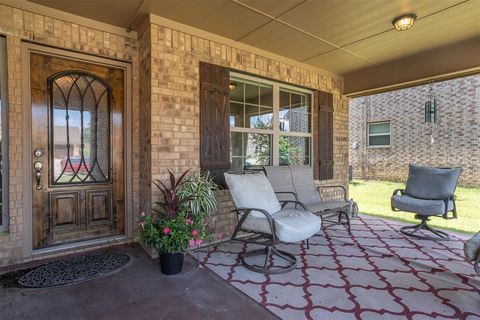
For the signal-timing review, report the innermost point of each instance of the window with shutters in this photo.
(270, 123)
(379, 134)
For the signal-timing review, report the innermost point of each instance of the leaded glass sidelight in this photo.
(80, 106)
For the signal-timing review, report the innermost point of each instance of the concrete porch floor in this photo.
(138, 291)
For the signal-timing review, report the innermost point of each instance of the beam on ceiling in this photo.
(442, 63)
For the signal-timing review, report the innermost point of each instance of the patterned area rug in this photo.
(377, 273)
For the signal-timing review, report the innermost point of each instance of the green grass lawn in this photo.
(373, 198)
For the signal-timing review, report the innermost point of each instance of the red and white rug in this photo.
(377, 273)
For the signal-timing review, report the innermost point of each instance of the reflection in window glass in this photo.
(250, 150)
(295, 111)
(294, 150)
(81, 129)
(251, 105)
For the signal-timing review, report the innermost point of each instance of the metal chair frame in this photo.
(269, 240)
(423, 225)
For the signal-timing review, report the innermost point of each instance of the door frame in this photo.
(27, 49)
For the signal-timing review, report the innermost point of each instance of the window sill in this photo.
(379, 147)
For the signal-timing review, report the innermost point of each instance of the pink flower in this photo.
(142, 224)
(166, 230)
(142, 214)
(189, 221)
(195, 232)
(191, 242)
(198, 242)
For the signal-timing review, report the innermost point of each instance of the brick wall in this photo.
(456, 135)
(165, 102)
(20, 25)
(175, 138)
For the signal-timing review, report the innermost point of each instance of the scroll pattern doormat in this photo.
(74, 269)
(377, 273)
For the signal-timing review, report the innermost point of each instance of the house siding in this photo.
(456, 135)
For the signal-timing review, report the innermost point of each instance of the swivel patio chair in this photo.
(267, 222)
(472, 251)
(429, 193)
(297, 183)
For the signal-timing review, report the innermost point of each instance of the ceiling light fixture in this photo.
(404, 22)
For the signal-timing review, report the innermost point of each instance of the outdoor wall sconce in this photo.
(404, 22)
(232, 86)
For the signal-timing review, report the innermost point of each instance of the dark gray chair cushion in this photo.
(432, 183)
(421, 206)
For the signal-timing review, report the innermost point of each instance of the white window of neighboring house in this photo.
(270, 123)
(3, 137)
(379, 134)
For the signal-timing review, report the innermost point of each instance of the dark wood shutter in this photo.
(214, 121)
(324, 166)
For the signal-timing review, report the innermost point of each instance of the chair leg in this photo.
(269, 251)
(308, 244)
(423, 225)
(476, 265)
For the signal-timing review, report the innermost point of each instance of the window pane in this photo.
(266, 96)
(379, 140)
(81, 129)
(250, 150)
(252, 117)
(294, 150)
(236, 115)
(252, 94)
(374, 128)
(295, 115)
(258, 150)
(237, 93)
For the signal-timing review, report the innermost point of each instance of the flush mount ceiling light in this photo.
(404, 22)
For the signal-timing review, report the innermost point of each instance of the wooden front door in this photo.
(77, 150)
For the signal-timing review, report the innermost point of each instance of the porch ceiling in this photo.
(342, 36)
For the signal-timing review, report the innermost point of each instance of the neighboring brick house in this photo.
(456, 136)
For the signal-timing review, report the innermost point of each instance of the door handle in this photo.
(38, 166)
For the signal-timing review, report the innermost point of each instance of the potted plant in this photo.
(180, 220)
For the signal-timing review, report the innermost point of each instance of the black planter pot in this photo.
(171, 263)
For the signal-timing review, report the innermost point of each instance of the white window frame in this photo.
(276, 132)
(4, 133)
(379, 134)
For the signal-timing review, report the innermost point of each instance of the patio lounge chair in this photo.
(267, 221)
(296, 182)
(429, 193)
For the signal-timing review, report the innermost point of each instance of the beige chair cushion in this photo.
(291, 225)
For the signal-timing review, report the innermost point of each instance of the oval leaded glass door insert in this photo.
(80, 128)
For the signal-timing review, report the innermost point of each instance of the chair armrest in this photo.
(396, 191)
(335, 186)
(246, 213)
(285, 202)
(288, 192)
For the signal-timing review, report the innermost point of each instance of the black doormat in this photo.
(74, 269)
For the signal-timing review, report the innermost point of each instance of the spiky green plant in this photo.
(199, 193)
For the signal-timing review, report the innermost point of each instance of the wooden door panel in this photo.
(65, 210)
(99, 207)
(81, 136)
